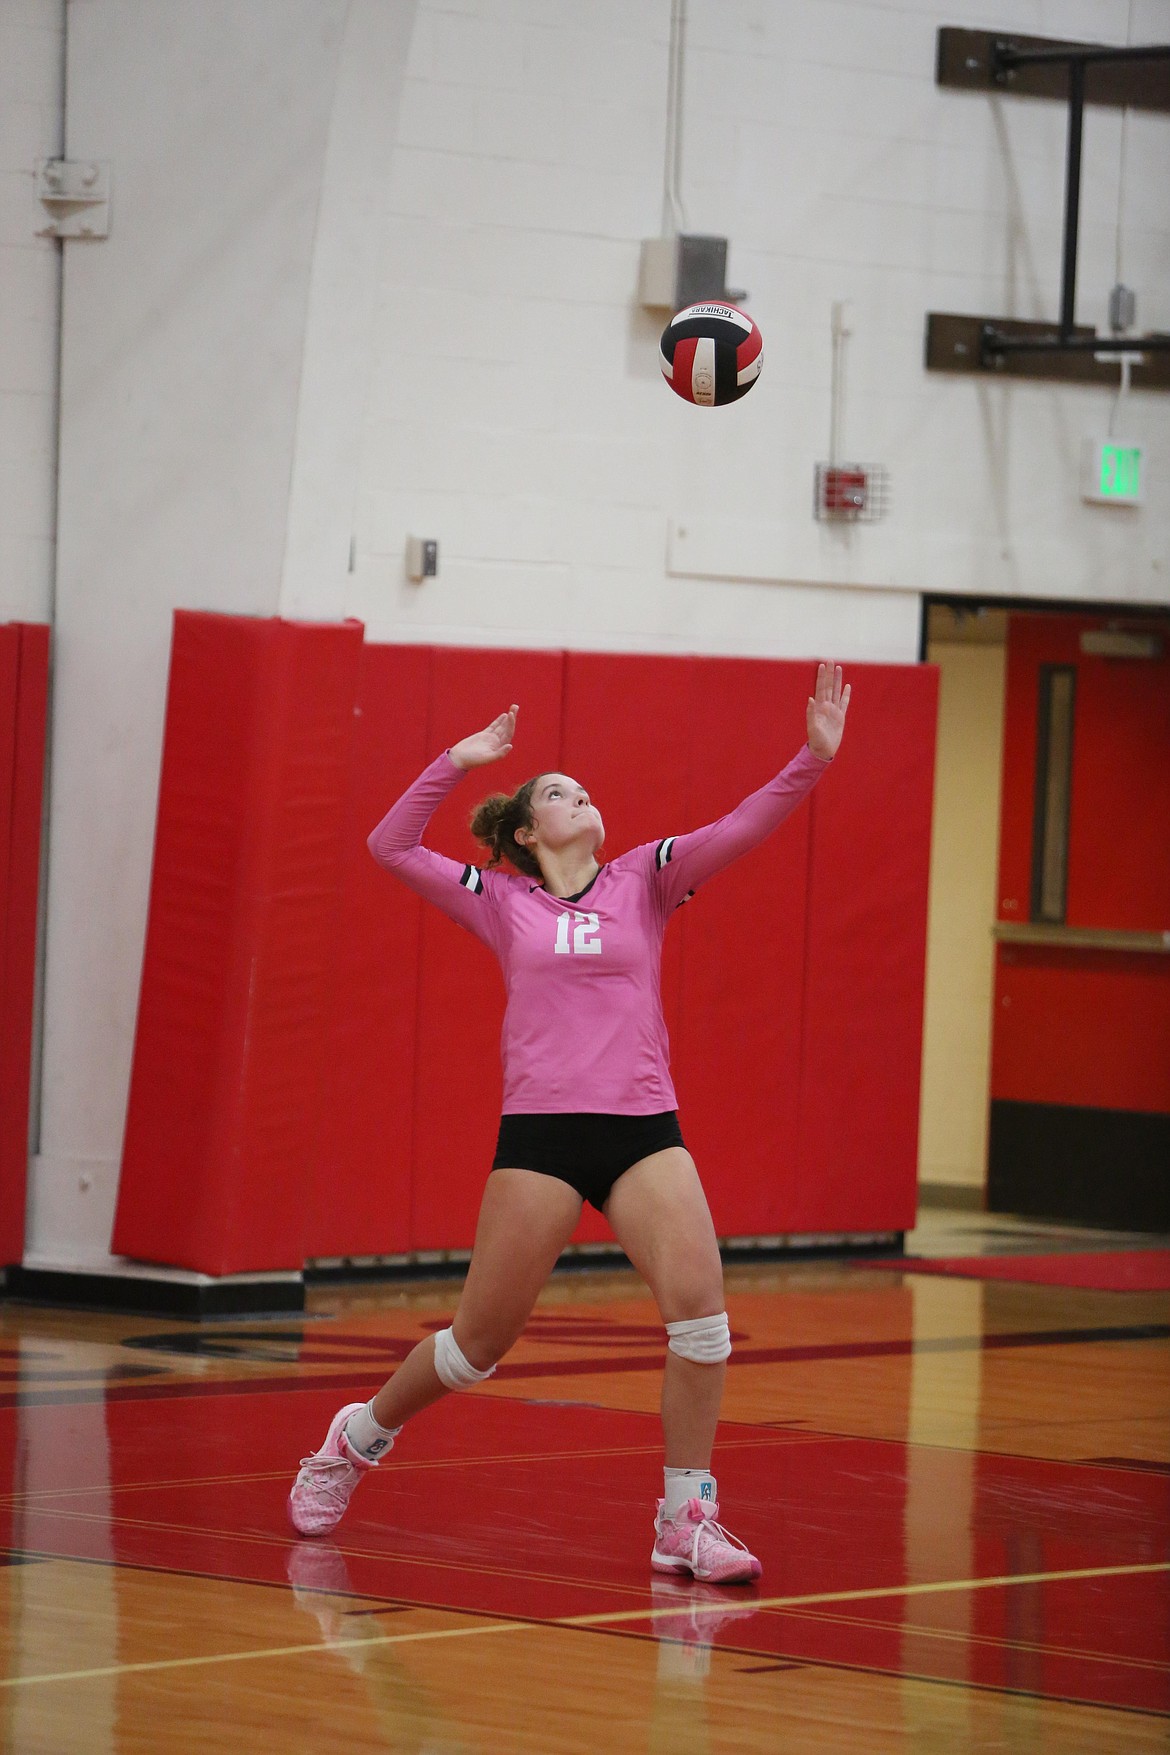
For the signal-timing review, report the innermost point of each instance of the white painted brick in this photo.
(536, 397)
(536, 197)
(27, 426)
(26, 576)
(618, 607)
(30, 64)
(610, 19)
(585, 65)
(28, 320)
(465, 50)
(420, 456)
(537, 337)
(833, 33)
(36, 15)
(471, 602)
(511, 54)
(540, 127)
(488, 260)
(1149, 19)
(1147, 154)
(21, 214)
(27, 132)
(522, 528)
(467, 526)
(501, 459)
(791, 620)
(449, 325)
(26, 466)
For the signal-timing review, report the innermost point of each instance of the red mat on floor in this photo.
(1115, 1270)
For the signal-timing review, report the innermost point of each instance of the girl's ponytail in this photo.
(494, 823)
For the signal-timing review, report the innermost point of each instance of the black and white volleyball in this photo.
(711, 354)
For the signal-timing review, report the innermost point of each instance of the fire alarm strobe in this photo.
(850, 492)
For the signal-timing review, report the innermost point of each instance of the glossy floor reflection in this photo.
(959, 1491)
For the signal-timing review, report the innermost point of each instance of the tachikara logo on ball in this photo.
(711, 354)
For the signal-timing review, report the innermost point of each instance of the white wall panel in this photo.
(342, 308)
(181, 478)
(816, 139)
(29, 61)
(31, 35)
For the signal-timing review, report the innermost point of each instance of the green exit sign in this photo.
(1112, 472)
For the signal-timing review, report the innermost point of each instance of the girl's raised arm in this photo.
(462, 891)
(682, 862)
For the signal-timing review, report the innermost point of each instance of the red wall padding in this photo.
(24, 683)
(738, 1044)
(226, 1097)
(360, 1203)
(865, 960)
(358, 1115)
(1089, 1028)
(796, 1025)
(461, 992)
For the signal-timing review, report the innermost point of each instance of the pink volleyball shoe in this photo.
(327, 1479)
(693, 1542)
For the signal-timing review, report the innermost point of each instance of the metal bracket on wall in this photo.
(1074, 73)
(957, 343)
(75, 193)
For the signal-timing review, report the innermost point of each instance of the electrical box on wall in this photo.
(1112, 472)
(683, 270)
(422, 558)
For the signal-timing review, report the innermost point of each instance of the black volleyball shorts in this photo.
(588, 1151)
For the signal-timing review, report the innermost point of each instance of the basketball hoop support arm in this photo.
(1005, 59)
(1074, 73)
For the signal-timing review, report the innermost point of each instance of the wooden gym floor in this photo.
(958, 1489)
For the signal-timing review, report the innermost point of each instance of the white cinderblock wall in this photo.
(31, 70)
(372, 272)
(515, 410)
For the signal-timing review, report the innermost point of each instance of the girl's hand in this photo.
(490, 745)
(826, 712)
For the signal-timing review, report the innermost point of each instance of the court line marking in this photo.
(32, 1496)
(607, 1619)
(938, 1588)
(955, 1636)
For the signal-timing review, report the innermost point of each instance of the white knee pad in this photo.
(450, 1365)
(706, 1340)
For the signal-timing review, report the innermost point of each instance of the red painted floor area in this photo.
(536, 1509)
(1110, 1270)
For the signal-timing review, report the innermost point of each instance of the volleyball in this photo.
(711, 354)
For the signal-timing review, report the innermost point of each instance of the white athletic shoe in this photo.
(326, 1481)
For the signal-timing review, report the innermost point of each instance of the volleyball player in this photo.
(589, 1108)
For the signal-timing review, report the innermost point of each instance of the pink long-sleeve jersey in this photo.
(583, 1030)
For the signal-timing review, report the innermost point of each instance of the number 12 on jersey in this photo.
(585, 942)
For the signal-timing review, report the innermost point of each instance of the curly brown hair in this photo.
(495, 820)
